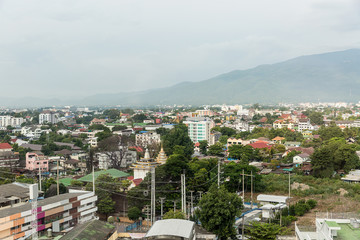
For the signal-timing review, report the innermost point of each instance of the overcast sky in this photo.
(84, 47)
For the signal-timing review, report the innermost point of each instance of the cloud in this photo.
(82, 47)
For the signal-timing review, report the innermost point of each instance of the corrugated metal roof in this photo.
(172, 227)
(272, 198)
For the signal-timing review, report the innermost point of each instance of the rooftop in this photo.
(347, 232)
(112, 172)
(172, 227)
(92, 230)
(22, 208)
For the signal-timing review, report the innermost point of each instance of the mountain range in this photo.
(333, 76)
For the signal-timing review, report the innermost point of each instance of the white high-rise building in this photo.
(10, 121)
(199, 128)
(48, 117)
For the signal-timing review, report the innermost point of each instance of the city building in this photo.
(35, 161)
(199, 128)
(48, 117)
(145, 138)
(331, 226)
(58, 213)
(11, 121)
(8, 158)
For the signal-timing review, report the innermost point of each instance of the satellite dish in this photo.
(146, 193)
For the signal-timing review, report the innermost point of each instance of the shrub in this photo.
(312, 203)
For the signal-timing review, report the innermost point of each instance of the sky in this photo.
(78, 48)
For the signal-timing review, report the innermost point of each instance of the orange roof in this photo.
(278, 138)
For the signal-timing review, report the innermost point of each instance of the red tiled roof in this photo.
(5, 146)
(197, 144)
(130, 177)
(137, 181)
(137, 148)
(260, 145)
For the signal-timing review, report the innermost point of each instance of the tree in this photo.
(174, 215)
(216, 150)
(112, 113)
(322, 161)
(264, 231)
(134, 213)
(178, 136)
(316, 118)
(119, 128)
(244, 153)
(217, 211)
(203, 146)
(326, 133)
(232, 172)
(106, 205)
(115, 147)
(139, 118)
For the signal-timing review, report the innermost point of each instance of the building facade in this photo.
(199, 128)
(48, 117)
(10, 121)
(57, 213)
(35, 161)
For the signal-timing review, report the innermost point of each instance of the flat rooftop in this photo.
(347, 232)
(27, 206)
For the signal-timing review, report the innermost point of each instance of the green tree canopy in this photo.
(178, 136)
(217, 211)
(216, 150)
(264, 231)
(134, 213)
(174, 215)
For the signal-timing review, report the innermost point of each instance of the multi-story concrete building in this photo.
(8, 158)
(144, 139)
(35, 161)
(199, 128)
(331, 226)
(10, 121)
(57, 213)
(48, 117)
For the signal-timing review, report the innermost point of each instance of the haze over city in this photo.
(79, 48)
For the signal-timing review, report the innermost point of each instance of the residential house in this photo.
(301, 158)
(35, 161)
(8, 158)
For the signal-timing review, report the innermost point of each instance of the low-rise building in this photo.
(331, 226)
(58, 213)
(35, 161)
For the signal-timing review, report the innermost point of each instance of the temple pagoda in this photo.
(144, 165)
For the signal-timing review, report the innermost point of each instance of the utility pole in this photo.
(174, 205)
(57, 177)
(289, 189)
(200, 194)
(191, 204)
(147, 215)
(161, 202)
(152, 195)
(243, 193)
(251, 175)
(93, 178)
(243, 185)
(252, 201)
(183, 194)
(218, 172)
(40, 176)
